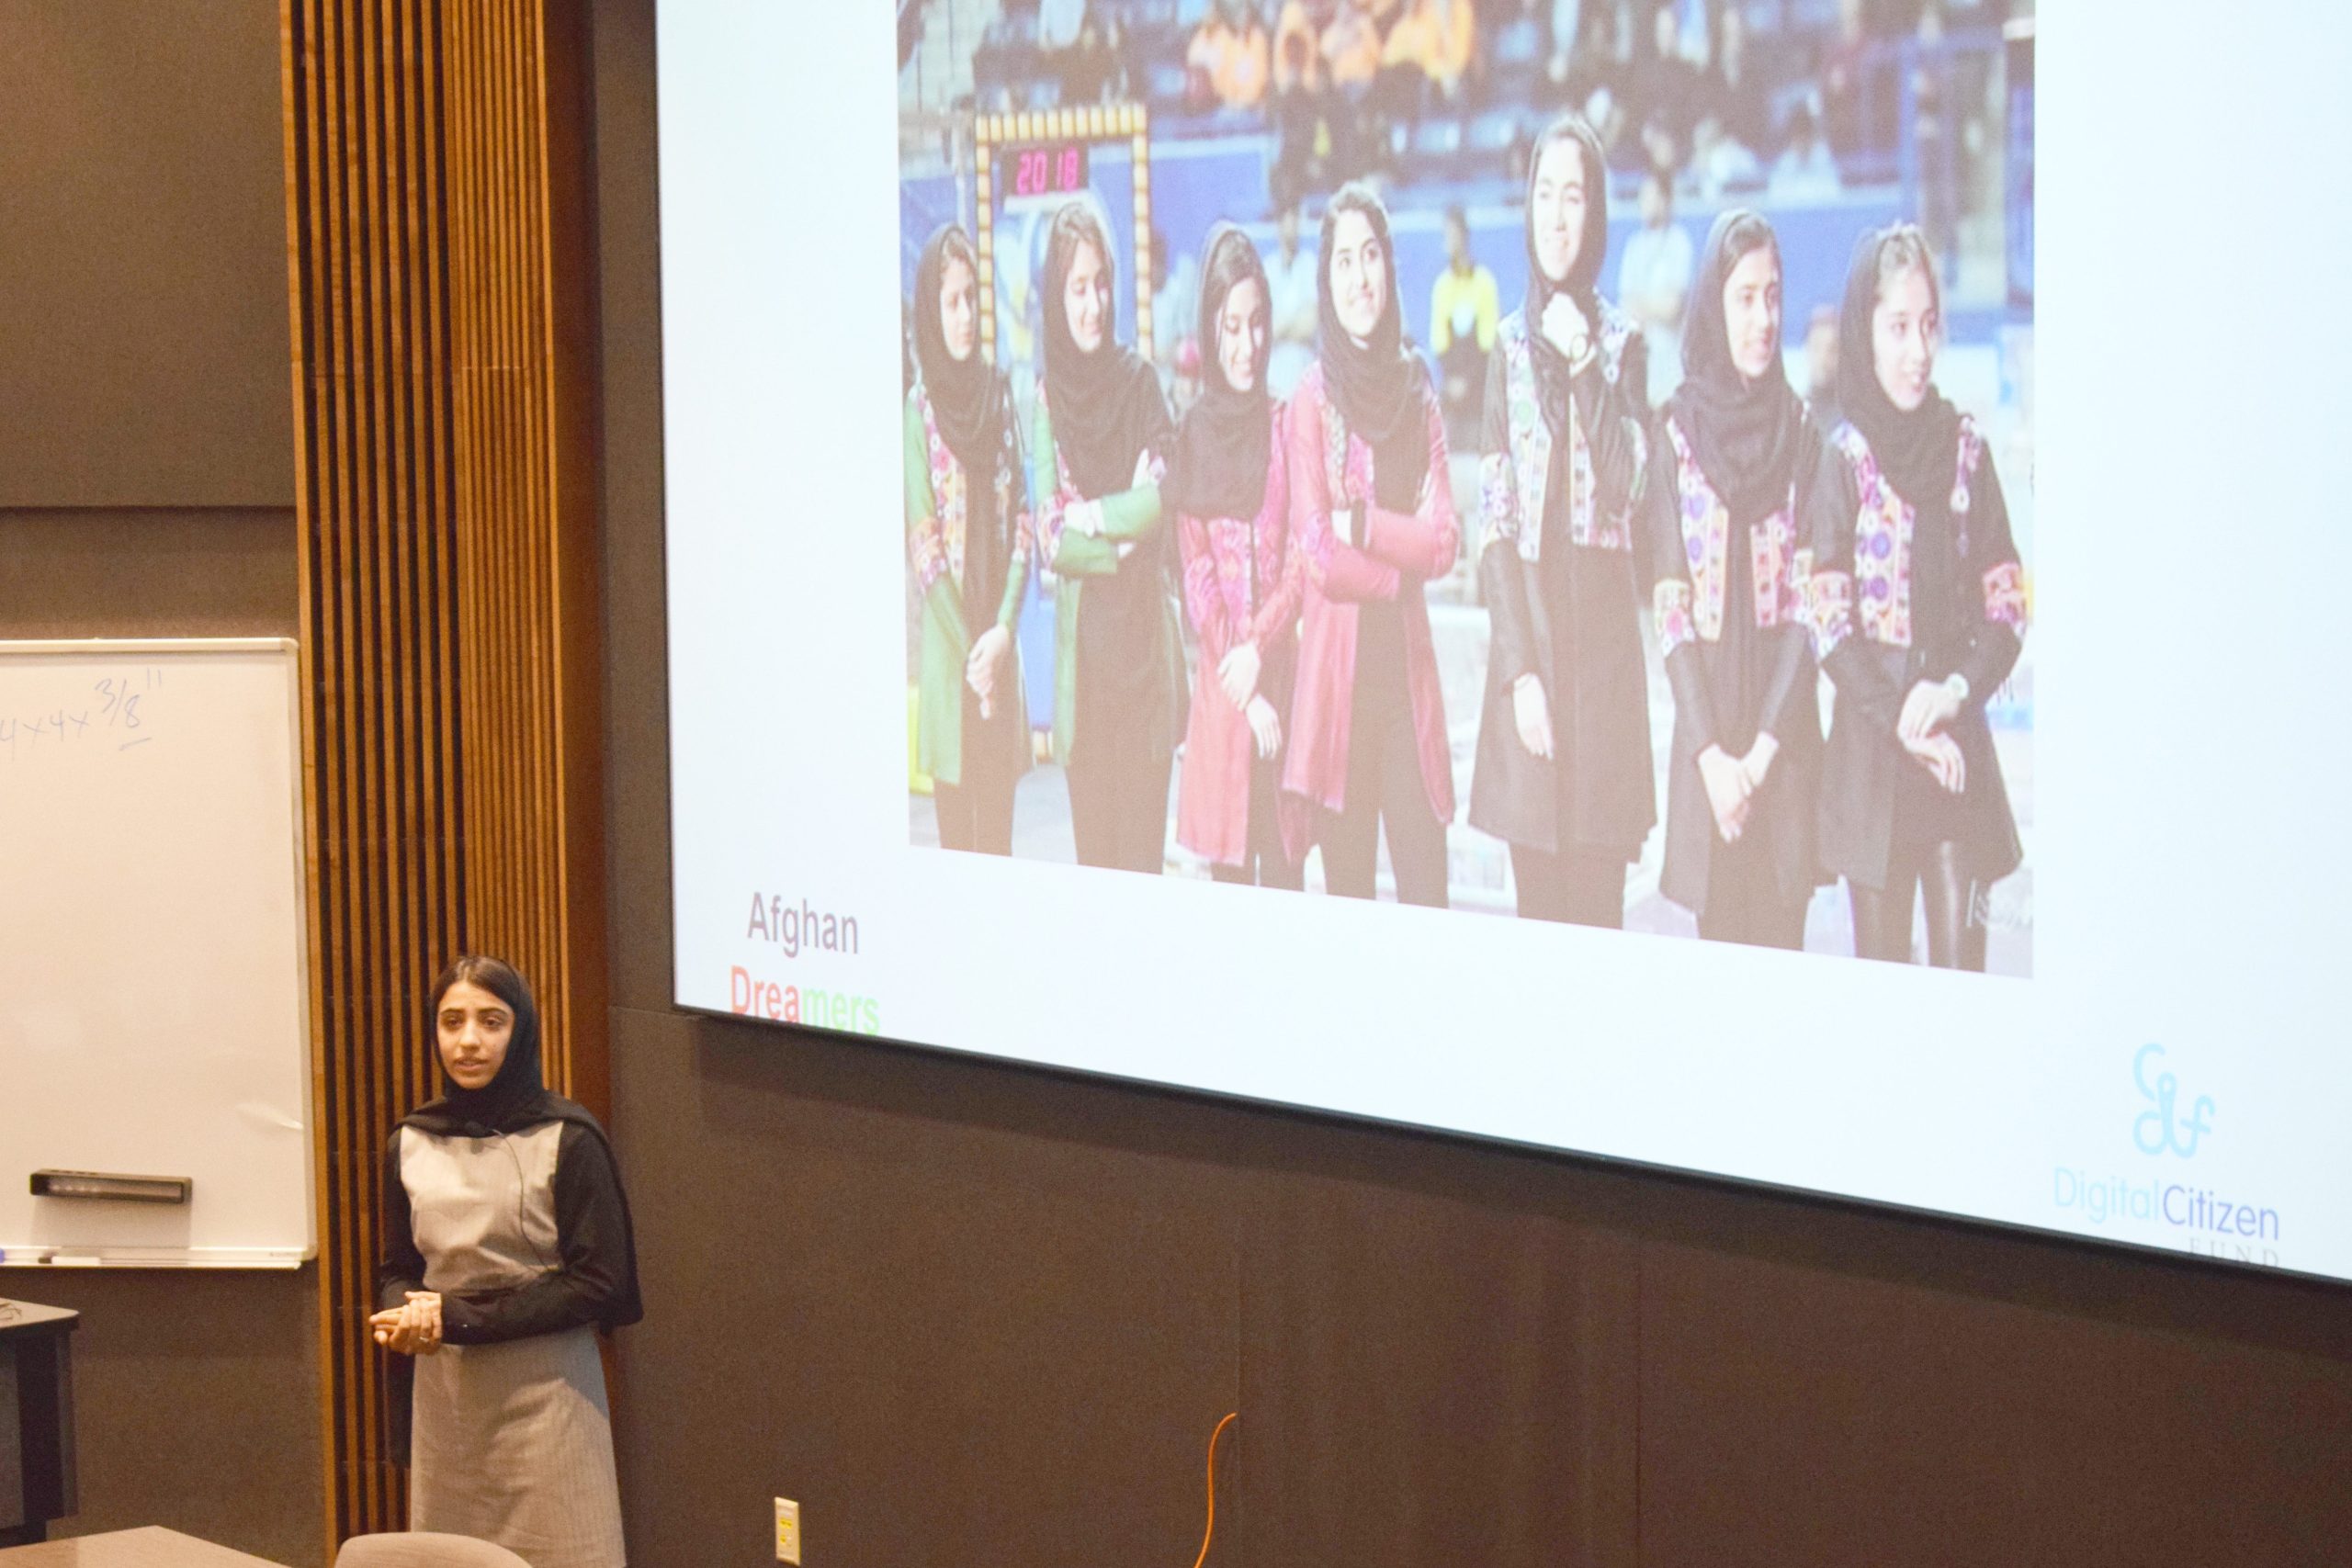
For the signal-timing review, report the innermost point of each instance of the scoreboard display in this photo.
(1027, 164)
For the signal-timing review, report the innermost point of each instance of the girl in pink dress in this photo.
(1230, 488)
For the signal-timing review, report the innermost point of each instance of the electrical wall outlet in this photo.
(788, 1530)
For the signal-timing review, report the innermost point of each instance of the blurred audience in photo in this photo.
(1292, 284)
(1654, 281)
(1790, 106)
(1465, 311)
(1805, 171)
(1230, 60)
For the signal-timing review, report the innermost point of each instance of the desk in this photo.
(36, 1419)
(150, 1548)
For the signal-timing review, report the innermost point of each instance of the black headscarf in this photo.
(1915, 450)
(1106, 406)
(968, 400)
(1380, 387)
(516, 1097)
(1583, 282)
(966, 395)
(1745, 433)
(1225, 443)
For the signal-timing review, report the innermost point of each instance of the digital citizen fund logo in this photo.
(2161, 1128)
(2213, 1221)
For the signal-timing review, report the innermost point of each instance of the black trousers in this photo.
(1575, 888)
(975, 816)
(1882, 917)
(1263, 864)
(1745, 903)
(977, 813)
(1118, 803)
(1384, 786)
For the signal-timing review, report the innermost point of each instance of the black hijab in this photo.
(1915, 450)
(516, 1098)
(1745, 433)
(1380, 386)
(966, 395)
(967, 400)
(1583, 283)
(1224, 444)
(1106, 406)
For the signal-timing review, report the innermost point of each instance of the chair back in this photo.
(424, 1549)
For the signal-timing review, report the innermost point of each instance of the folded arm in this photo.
(1421, 543)
(1341, 570)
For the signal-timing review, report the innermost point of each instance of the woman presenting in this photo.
(1565, 773)
(1917, 602)
(1732, 466)
(1229, 487)
(506, 1247)
(967, 540)
(1100, 447)
(1374, 514)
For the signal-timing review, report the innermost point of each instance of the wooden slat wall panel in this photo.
(501, 387)
(435, 232)
(364, 239)
(522, 396)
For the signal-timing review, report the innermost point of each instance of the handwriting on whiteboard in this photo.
(116, 712)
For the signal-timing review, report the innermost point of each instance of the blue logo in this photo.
(2158, 1128)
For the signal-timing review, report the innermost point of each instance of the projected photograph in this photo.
(1564, 461)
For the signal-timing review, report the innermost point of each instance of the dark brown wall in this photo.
(146, 491)
(159, 572)
(966, 1312)
(196, 1402)
(143, 349)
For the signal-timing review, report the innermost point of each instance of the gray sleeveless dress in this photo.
(513, 1439)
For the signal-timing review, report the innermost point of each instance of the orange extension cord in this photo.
(1210, 1534)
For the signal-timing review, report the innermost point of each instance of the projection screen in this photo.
(1540, 576)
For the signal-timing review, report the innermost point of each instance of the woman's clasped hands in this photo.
(413, 1328)
(1733, 782)
(1931, 705)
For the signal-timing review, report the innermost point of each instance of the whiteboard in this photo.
(154, 1013)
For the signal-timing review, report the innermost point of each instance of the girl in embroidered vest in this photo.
(1230, 488)
(1565, 773)
(1099, 452)
(1732, 463)
(1917, 604)
(968, 540)
(1373, 515)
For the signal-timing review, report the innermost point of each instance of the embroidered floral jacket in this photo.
(938, 507)
(1595, 687)
(1728, 688)
(1243, 582)
(1861, 571)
